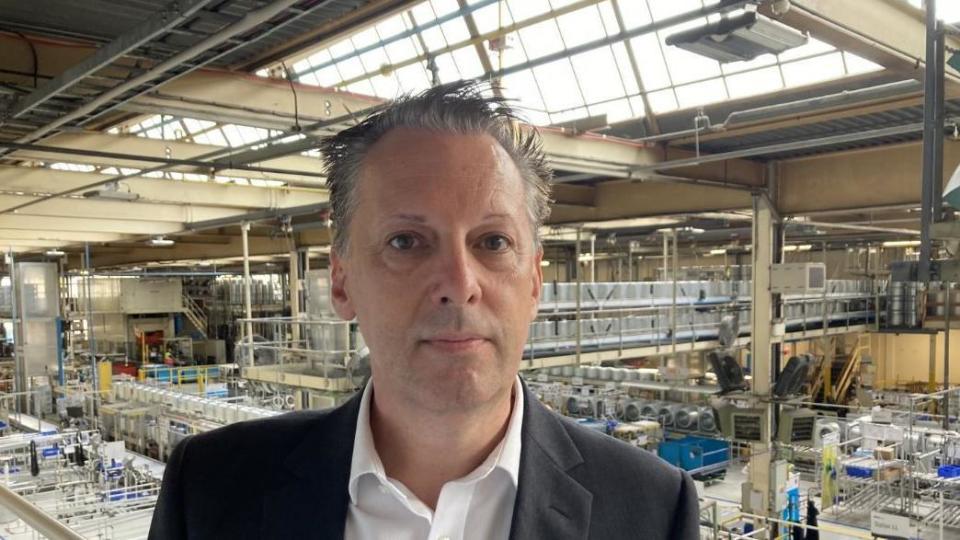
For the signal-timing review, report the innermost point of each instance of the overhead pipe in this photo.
(853, 227)
(808, 105)
(780, 147)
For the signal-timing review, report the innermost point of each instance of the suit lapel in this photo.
(311, 500)
(550, 503)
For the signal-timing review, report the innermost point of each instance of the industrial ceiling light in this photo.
(901, 243)
(798, 247)
(738, 38)
(111, 190)
(720, 251)
(160, 241)
(54, 253)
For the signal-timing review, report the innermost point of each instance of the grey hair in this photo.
(459, 108)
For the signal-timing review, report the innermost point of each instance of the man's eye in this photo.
(496, 242)
(403, 242)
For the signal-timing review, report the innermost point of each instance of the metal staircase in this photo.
(195, 314)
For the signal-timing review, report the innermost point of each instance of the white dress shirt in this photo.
(477, 506)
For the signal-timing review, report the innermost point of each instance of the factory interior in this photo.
(751, 268)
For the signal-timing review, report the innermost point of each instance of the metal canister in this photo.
(911, 317)
(895, 304)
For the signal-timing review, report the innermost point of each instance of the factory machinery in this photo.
(618, 314)
(324, 356)
(152, 418)
(632, 404)
(96, 488)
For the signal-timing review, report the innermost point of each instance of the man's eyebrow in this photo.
(408, 217)
(500, 215)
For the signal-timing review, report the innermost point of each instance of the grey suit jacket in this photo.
(286, 477)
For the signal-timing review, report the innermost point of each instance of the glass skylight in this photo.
(561, 60)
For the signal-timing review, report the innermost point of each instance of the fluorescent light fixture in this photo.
(54, 253)
(544, 263)
(798, 247)
(584, 257)
(160, 241)
(630, 223)
(738, 38)
(901, 243)
(720, 251)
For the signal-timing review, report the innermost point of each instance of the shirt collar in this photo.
(506, 456)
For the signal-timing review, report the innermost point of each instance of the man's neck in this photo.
(425, 450)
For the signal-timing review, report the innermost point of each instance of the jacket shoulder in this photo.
(635, 493)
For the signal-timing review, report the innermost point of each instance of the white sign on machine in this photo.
(891, 526)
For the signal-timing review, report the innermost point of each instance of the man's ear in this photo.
(338, 288)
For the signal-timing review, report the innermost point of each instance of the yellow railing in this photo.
(181, 374)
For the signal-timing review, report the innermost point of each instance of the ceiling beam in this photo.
(166, 18)
(878, 177)
(46, 223)
(63, 237)
(130, 211)
(35, 180)
(133, 145)
(219, 93)
(187, 251)
(888, 32)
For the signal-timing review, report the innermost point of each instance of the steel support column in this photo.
(248, 309)
(760, 343)
(294, 288)
(932, 181)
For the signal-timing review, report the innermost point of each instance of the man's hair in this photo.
(459, 108)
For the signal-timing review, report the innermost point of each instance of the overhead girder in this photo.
(129, 211)
(259, 245)
(95, 225)
(878, 177)
(133, 145)
(34, 180)
(888, 32)
(63, 237)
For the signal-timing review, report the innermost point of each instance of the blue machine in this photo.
(696, 455)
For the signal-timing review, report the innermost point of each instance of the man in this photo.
(436, 202)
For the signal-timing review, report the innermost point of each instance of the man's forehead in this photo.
(416, 145)
(410, 159)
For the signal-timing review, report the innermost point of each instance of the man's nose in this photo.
(456, 277)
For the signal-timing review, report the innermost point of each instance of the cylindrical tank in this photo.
(633, 411)
(650, 410)
(667, 414)
(910, 316)
(708, 420)
(687, 417)
(895, 304)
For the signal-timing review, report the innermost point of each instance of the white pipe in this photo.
(42, 522)
(244, 230)
(248, 22)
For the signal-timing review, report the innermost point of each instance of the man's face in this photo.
(441, 271)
